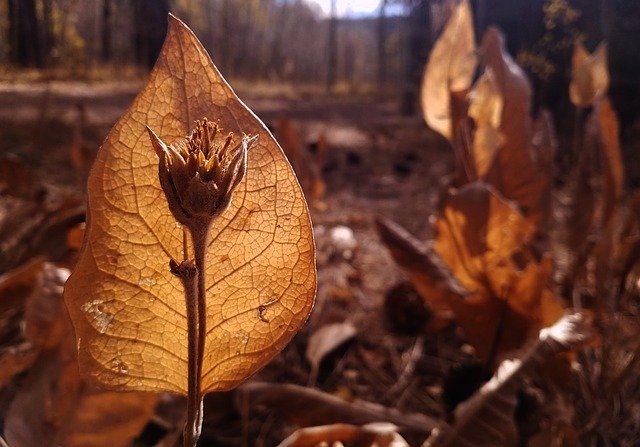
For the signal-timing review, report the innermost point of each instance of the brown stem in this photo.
(188, 275)
(197, 333)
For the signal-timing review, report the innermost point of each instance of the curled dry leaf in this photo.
(428, 272)
(324, 341)
(370, 435)
(485, 241)
(486, 272)
(451, 66)
(486, 419)
(517, 176)
(485, 107)
(127, 308)
(589, 75)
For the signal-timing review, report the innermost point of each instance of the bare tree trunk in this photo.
(333, 46)
(225, 43)
(106, 31)
(277, 62)
(150, 28)
(47, 30)
(382, 40)
(419, 44)
(24, 33)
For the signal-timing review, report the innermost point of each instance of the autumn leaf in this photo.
(450, 69)
(486, 242)
(55, 407)
(127, 308)
(325, 340)
(497, 288)
(487, 418)
(485, 107)
(518, 177)
(589, 75)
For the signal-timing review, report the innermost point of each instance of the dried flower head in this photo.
(198, 174)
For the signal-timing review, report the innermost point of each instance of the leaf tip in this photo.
(158, 146)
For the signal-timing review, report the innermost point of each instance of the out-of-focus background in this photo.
(292, 47)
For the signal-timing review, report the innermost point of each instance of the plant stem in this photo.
(188, 275)
(197, 316)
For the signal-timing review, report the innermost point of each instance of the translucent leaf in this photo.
(485, 107)
(451, 66)
(127, 308)
(517, 175)
(589, 75)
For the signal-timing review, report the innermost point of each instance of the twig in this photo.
(404, 380)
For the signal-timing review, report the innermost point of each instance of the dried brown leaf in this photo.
(324, 341)
(54, 407)
(486, 419)
(428, 272)
(518, 177)
(484, 240)
(485, 107)
(451, 66)
(589, 75)
(127, 308)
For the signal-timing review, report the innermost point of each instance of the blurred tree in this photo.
(418, 45)
(382, 41)
(149, 29)
(105, 47)
(332, 46)
(24, 34)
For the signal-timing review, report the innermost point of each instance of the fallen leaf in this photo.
(16, 352)
(486, 419)
(370, 435)
(54, 407)
(451, 66)
(589, 75)
(324, 341)
(127, 308)
(427, 271)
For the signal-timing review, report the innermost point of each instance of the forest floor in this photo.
(378, 163)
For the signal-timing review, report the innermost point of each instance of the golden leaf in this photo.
(482, 269)
(451, 66)
(589, 75)
(127, 308)
(485, 107)
(484, 240)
